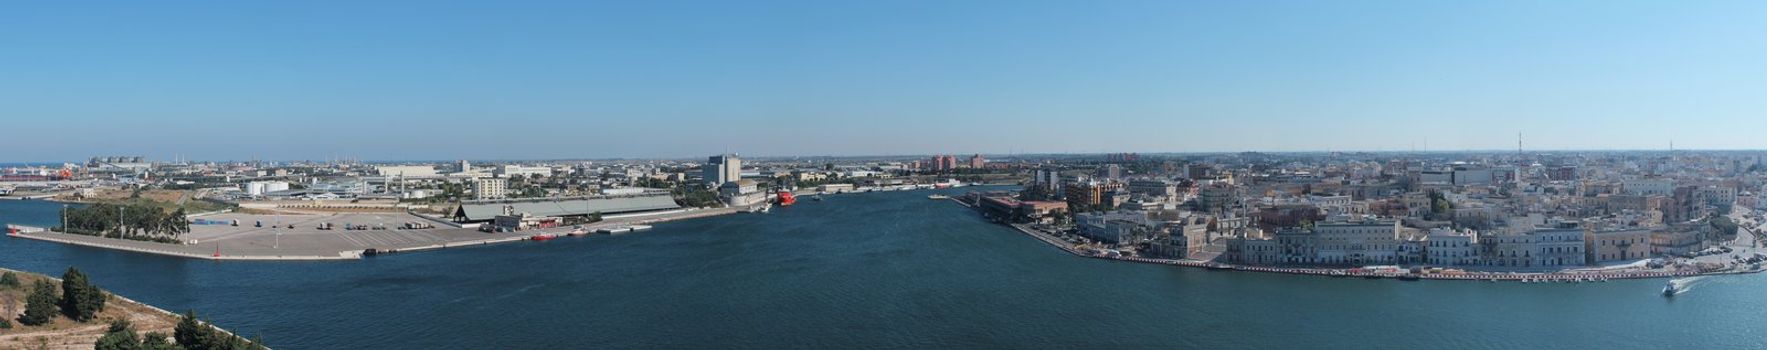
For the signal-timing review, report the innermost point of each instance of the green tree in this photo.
(189, 332)
(80, 300)
(197, 335)
(9, 280)
(157, 341)
(40, 306)
(121, 336)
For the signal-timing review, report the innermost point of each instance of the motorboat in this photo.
(1669, 289)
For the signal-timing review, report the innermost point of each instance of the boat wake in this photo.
(1686, 284)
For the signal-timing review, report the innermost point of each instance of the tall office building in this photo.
(723, 168)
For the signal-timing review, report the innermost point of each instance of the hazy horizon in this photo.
(581, 80)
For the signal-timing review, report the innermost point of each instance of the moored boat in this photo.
(543, 237)
(786, 199)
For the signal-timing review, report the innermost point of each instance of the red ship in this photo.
(786, 198)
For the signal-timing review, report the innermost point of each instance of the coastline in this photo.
(203, 251)
(84, 335)
(1525, 277)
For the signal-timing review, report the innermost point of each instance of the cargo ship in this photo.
(786, 199)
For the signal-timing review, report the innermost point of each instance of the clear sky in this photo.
(385, 80)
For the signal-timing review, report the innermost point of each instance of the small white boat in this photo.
(1669, 289)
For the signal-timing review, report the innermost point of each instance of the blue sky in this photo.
(590, 79)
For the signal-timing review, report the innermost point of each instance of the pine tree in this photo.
(9, 280)
(157, 341)
(40, 305)
(80, 300)
(120, 337)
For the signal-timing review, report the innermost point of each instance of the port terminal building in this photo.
(481, 211)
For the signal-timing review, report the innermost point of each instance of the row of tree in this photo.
(131, 221)
(189, 334)
(81, 300)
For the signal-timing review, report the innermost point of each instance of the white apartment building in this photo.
(490, 188)
(1445, 247)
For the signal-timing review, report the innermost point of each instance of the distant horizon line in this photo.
(386, 161)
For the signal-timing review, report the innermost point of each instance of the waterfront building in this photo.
(1000, 208)
(1253, 251)
(1616, 245)
(1679, 239)
(566, 207)
(742, 192)
(1112, 227)
(1560, 247)
(490, 188)
(834, 188)
(1448, 247)
(1353, 242)
(721, 169)
(1508, 250)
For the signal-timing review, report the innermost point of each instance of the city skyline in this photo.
(676, 80)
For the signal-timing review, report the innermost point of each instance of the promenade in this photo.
(1569, 275)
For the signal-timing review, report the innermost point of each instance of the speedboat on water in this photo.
(1669, 289)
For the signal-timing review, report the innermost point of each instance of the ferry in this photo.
(1669, 289)
(936, 196)
(543, 237)
(786, 199)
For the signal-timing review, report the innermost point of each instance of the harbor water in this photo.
(890, 270)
